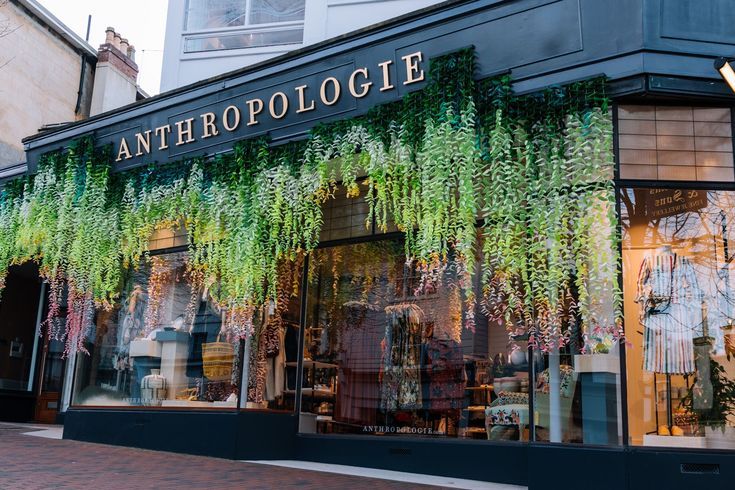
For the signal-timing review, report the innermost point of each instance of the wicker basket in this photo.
(217, 360)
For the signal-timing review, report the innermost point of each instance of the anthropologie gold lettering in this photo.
(386, 75)
(235, 112)
(252, 104)
(365, 86)
(124, 151)
(143, 141)
(413, 73)
(162, 132)
(277, 104)
(335, 87)
(209, 127)
(302, 103)
(272, 105)
(182, 132)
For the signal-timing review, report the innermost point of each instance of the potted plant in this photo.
(712, 398)
(599, 354)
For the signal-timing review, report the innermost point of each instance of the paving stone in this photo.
(31, 463)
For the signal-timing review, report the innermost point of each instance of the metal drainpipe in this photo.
(80, 93)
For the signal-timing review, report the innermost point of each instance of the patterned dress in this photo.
(671, 310)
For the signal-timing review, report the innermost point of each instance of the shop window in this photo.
(235, 24)
(271, 353)
(346, 217)
(162, 346)
(679, 303)
(675, 143)
(18, 323)
(386, 353)
(168, 238)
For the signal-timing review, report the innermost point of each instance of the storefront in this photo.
(488, 240)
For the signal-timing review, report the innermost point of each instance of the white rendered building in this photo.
(205, 38)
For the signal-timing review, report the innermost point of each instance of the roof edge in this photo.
(58, 27)
(290, 55)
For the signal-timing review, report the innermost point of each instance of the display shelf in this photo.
(198, 404)
(313, 365)
(311, 392)
(481, 387)
(674, 441)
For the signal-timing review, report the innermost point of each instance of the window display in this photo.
(679, 308)
(386, 352)
(18, 322)
(162, 346)
(271, 352)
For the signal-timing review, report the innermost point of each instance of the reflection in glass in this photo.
(162, 346)
(386, 353)
(243, 40)
(267, 11)
(678, 278)
(208, 14)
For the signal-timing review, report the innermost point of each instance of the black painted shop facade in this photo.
(673, 134)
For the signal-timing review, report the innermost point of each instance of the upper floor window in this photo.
(234, 24)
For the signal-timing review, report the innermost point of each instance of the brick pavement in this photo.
(34, 463)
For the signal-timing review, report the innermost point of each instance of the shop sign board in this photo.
(662, 203)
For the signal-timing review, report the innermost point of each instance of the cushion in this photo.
(510, 398)
(507, 415)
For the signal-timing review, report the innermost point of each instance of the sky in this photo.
(142, 22)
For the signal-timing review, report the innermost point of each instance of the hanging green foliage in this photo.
(550, 239)
(533, 171)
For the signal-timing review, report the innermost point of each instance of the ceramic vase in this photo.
(153, 388)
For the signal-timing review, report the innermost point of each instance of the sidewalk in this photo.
(45, 461)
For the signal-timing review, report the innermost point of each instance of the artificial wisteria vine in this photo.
(533, 172)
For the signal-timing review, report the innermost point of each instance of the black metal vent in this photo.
(399, 450)
(700, 468)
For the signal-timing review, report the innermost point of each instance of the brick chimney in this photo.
(115, 79)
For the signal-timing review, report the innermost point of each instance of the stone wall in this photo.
(39, 81)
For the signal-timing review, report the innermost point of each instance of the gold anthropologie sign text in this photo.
(301, 99)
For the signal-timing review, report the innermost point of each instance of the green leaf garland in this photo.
(533, 171)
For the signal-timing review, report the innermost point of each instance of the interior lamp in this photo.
(726, 71)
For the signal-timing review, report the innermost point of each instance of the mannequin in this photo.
(670, 311)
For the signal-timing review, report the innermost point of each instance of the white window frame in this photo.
(246, 28)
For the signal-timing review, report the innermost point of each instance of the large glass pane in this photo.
(18, 321)
(272, 351)
(243, 40)
(267, 11)
(577, 395)
(162, 346)
(679, 308)
(386, 352)
(210, 14)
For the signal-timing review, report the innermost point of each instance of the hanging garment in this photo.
(276, 368)
(400, 383)
(671, 311)
(257, 371)
(445, 370)
(359, 358)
